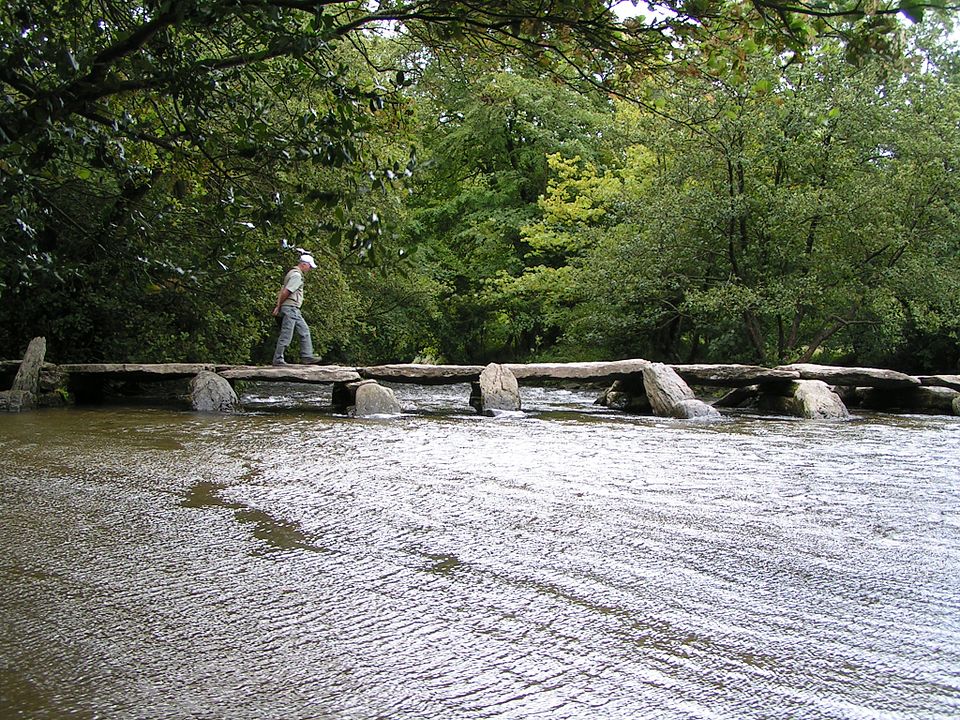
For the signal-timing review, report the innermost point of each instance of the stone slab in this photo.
(733, 375)
(860, 377)
(290, 373)
(139, 370)
(585, 371)
(947, 381)
(422, 374)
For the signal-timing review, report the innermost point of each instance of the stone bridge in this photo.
(636, 385)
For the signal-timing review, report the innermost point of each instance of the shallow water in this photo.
(564, 562)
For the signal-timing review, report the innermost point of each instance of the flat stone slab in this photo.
(422, 374)
(290, 373)
(728, 375)
(587, 371)
(859, 377)
(733, 375)
(947, 381)
(139, 370)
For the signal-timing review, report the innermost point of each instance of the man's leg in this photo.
(306, 342)
(287, 323)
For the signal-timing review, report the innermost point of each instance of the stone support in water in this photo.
(497, 390)
(811, 399)
(932, 400)
(627, 395)
(210, 392)
(372, 398)
(26, 384)
(670, 396)
(363, 398)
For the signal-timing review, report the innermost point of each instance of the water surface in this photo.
(563, 562)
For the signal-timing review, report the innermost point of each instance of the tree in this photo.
(796, 215)
(486, 132)
(148, 134)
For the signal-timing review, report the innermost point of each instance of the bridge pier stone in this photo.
(497, 390)
(210, 392)
(670, 396)
(343, 395)
(627, 394)
(810, 399)
(363, 398)
(26, 384)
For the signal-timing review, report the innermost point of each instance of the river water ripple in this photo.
(565, 562)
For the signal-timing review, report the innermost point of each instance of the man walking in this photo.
(289, 301)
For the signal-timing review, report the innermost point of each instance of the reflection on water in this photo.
(568, 562)
(277, 534)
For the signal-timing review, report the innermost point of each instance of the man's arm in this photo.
(281, 296)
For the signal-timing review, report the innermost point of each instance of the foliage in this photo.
(160, 163)
(799, 215)
(485, 164)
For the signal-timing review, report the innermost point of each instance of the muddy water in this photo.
(565, 562)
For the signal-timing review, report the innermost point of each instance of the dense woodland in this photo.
(715, 181)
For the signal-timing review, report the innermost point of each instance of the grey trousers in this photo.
(290, 320)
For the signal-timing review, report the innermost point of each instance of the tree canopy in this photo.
(160, 161)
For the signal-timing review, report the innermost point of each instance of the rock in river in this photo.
(211, 393)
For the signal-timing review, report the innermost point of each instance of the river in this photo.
(563, 562)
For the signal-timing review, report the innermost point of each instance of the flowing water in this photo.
(564, 562)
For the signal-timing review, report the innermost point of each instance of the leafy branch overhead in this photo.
(75, 58)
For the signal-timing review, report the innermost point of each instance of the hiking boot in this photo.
(280, 362)
(310, 360)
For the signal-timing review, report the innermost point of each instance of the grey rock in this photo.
(670, 396)
(933, 400)
(26, 384)
(693, 408)
(627, 395)
(664, 388)
(211, 393)
(371, 398)
(344, 394)
(16, 400)
(496, 390)
(733, 375)
(816, 400)
(745, 396)
(811, 399)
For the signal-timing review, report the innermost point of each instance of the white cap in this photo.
(308, 259)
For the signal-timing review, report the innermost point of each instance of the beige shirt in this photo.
(293, 281)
